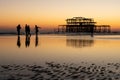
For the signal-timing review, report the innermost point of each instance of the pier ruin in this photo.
(84, 25)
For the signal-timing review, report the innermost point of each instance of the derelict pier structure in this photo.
(84, 25)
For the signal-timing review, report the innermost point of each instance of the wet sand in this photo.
(56, 71)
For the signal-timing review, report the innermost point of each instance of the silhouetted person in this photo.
(18, 42)
(27, 41)
(18, 29)
(26, 30)
(36, 29)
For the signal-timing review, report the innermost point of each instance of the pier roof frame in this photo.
(80, 19)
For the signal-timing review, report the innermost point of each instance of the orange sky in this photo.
(51, 13)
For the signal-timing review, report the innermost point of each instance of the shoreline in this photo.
(64, 34)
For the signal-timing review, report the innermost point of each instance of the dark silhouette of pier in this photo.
(83, 25)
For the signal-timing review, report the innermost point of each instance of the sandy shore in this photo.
(56, 71)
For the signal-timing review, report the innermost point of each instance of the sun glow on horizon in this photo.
(50, 14)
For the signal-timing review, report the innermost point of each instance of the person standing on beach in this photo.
(36, 29)
(26, 30)
(18, 29)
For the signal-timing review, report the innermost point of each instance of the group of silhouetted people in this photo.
(27, 30)
(28, 35)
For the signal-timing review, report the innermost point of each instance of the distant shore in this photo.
(66, 34)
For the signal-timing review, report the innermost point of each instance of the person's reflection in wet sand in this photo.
(27, 41)
(18, 42)
(36, 41)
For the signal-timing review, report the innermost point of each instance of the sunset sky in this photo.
(51, 13)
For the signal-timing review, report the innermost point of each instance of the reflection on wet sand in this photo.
(79, 43)
(18, 42)
(27, 41)
(36, 41)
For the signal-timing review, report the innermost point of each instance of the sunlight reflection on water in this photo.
(70, 49)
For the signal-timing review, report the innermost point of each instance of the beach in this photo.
(58, 57)
(57, 71)
(59, 39)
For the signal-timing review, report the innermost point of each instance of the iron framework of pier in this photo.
(81, 24)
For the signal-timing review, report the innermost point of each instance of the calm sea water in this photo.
(62, 49)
